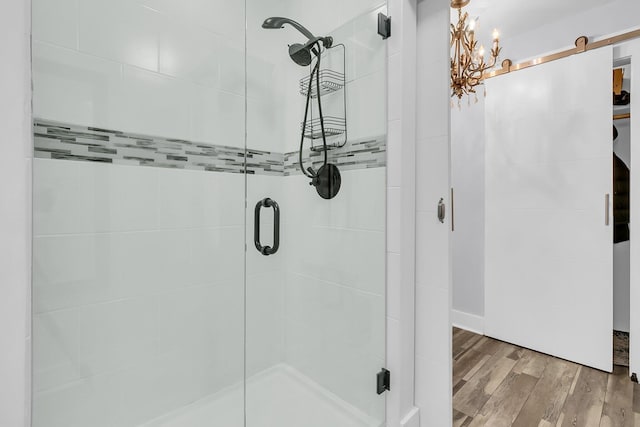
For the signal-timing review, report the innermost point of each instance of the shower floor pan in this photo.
(277, 397)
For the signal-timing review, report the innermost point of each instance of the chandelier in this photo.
(467, 61)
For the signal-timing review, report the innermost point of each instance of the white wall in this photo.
(467, 176)
(15, 202)
(468, 302)
(433, 268)
(597, 22)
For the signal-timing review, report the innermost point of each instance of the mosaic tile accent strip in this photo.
(62, 141)
(360, 154)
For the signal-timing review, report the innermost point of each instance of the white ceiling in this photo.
(514, 17)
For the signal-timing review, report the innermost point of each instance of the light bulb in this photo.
(472, 24)
(496, 34)
(481, 51)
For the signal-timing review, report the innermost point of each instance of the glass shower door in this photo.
(315, 313)
(162, 130)
(138, 212)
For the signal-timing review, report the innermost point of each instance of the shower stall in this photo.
(185, 272)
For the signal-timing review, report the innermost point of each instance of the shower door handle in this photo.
(267, 250)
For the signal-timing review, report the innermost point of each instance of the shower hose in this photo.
(309, 172)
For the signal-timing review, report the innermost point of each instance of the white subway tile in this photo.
(189, 52)
(116, 335)
(191, 199)
(81, 197)
(263, 132)
(335, 335)
(216, 254)
(88, 402)
(55, 22)
(394, 285)
(367, 118)
(432, 173)
(154, 104)
(394, 87)
(120, 30)
(264, 321)
(232, 63)
(55, 351)
(394, 154)
(75, 88)
(348, 257)
(219, 16)
(394, 225)
(360, 204)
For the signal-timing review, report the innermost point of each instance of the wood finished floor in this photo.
(497, 384)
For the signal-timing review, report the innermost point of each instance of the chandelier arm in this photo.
(467, 64)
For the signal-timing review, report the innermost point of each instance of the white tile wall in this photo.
(150, 66)
(189, 53)
(433, 268)
(265, 278)
(138, 290)
(138, 271)
(401, 191)
(56, 22)
(121, 30)
(90, 88)
(335, 285)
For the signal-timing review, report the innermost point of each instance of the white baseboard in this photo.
(469, 322)
(412, 419)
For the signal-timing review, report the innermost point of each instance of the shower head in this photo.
(299, 53)
(276, 22)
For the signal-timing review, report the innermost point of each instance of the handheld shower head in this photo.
(300, 53)
(276, 22)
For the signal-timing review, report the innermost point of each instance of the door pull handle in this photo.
(441, 210)
(267, 250)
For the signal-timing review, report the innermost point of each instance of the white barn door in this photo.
(549, 252)
(632, 49)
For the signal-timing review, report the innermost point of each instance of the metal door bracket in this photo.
(383, 381)
(441, 210)
(384, 25)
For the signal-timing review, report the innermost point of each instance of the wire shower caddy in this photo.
(332, 80)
